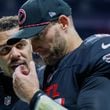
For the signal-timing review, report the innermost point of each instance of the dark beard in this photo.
(58, 50)
(52, 59)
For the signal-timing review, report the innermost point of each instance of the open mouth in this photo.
(15, 65)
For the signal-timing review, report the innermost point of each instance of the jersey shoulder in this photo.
(98, 44)
(98, 47)
(96, 38)
(95, 50)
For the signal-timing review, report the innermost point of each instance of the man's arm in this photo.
(40, 101)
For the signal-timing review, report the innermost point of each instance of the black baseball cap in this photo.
(35, 15)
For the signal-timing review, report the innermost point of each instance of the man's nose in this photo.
(15, 53)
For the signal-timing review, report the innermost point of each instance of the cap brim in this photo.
(26, 33)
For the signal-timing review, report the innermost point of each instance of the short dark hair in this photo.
(8, 22)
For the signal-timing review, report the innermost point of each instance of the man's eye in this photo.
(5, 50)
(20, 45)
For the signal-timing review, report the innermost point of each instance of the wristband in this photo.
(35, 98)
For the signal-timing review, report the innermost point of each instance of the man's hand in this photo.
(25, 82)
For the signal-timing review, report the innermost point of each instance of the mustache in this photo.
(16, 63)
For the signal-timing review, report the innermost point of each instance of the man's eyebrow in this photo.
(3, 45)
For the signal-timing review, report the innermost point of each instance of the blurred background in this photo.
(90, 16)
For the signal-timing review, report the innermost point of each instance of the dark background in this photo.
(90, 16)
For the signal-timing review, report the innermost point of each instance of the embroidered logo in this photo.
(106, 58)
(7, 100)
(105, 46)
(52, 14)
(21, 16)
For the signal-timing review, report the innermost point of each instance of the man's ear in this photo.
(63, 21)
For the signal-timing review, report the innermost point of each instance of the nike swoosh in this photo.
(105, 46)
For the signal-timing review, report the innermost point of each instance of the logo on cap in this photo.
(52, 14)
(21, 16)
